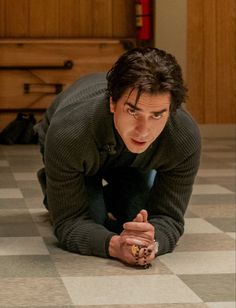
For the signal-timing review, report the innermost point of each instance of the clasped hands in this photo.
(138, 232)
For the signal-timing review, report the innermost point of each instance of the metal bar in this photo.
(5, 110)
(68, 64)
(42, 88)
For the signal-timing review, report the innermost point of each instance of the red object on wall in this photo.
(144, 30)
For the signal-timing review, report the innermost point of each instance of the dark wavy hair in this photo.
(148, 70)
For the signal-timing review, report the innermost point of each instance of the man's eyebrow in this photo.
(160, 111)
(133, 106)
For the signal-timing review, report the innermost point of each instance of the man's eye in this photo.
(157, 116)
(131, 111)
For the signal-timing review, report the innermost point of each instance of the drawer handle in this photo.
(68, 64)
(43, 88)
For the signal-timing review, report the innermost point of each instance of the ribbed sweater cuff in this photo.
(165, 243)
(100, 243)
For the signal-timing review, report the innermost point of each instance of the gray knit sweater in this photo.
(78, 140)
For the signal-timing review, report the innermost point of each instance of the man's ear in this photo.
(112, 105)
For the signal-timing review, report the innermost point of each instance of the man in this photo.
(120, 158)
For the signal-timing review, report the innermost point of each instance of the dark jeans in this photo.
(124, 195)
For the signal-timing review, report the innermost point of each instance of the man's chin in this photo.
(137, 149)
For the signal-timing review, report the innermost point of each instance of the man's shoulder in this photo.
(85, 88)
(182, 123)
(183, 131)
(87, 82)
(81, 122)
(76, 104)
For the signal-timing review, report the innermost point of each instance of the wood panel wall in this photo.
(211, 60)
(66, 18)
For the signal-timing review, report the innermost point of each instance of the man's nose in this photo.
(142, 127)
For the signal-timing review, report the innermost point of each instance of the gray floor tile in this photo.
(224, 224)
(3, 163)
(15, 216)
(214, 210)
(212, 288)
(205, 242)
(12, 204)
(200, 305)
(92, 266)
(27, 266)
(32, 192)
(18, 229)
(212, 199)
(7, 180)
(33, 292)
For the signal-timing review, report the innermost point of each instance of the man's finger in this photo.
(137, 226)
(145, 215)
(138, 218)
(134, 241)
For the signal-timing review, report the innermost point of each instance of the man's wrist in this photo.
(114, 246)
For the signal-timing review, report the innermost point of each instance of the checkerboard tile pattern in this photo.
(36, 272)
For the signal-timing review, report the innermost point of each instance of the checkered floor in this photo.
(35, 272)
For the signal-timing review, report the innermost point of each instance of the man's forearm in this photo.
(84, 237)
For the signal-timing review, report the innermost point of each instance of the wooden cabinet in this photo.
(33, 71)
(46, 33)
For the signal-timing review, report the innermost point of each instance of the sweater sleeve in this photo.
(170, 194)
(67, 195)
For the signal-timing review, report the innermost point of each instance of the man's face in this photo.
(139, 125)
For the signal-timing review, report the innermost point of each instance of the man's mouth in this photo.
(137, 142)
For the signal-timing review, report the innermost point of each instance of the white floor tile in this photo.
(216, 172)
(210, 262)
(25, 176)
(10, 193)
(232, 234)
(210, 189)
(142, 289)
(40, 215)
(222, 305)
(198, 225)
(22, 246)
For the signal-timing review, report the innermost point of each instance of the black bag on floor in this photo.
(20, 130)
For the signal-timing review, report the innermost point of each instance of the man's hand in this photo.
(137, 232)
(139, 229)
(120, 250)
